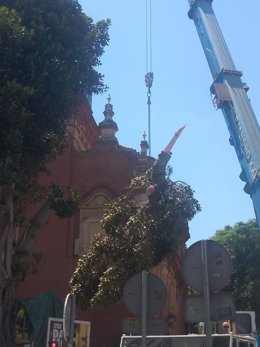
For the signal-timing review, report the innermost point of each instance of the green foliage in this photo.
(20, 267)
(169, 171)
(135, 239)
(63, 205)
(49, 53)
(14, 95)
(243, 243)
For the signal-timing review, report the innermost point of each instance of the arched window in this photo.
(90, 214)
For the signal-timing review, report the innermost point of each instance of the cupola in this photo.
(144, 146)
(108, 128)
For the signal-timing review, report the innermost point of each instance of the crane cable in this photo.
(149, 35)
(149, 74)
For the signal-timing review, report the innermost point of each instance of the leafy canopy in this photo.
(243, 243)
(49, 53)
(135, 239)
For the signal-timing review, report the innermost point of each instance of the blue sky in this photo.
(202, 157)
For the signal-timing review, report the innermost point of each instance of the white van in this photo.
(218, 340)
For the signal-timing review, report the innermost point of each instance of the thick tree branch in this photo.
(6, 239)
(4, 215)
(34, 228)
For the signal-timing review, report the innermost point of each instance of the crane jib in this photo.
(230, 94)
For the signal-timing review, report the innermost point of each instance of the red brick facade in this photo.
(99, 171)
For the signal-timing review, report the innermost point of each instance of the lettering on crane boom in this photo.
(245, 149)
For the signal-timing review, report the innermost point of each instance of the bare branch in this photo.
(34, 228)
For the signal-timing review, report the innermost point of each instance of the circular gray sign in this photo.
(219, 266)
(156, 294)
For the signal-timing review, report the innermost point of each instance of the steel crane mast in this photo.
(230, 95)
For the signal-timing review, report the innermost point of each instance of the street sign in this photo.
(156, 294)
(207, 268)
(222, 307)
(55, 333)
(69, 317)
(218, 262)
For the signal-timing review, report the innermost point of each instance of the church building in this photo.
(95, 165)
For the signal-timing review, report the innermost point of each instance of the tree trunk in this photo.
(7, 315)
(7, 280)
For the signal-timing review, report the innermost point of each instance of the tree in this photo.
(243, 243)
(136, 238)
(49, 53)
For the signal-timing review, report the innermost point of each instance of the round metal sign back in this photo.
(219, 266)
(156, 294)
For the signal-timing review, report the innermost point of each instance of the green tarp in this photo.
(39, 308)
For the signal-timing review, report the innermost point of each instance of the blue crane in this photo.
(230, 95)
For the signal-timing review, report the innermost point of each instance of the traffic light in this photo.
(53, 344)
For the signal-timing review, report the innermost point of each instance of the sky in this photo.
(202, 156)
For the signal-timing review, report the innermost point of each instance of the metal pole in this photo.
(204, 253)
(69, 313)
(144, 307)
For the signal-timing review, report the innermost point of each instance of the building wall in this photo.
(99, 171)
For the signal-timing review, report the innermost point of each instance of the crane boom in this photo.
(230, 95)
